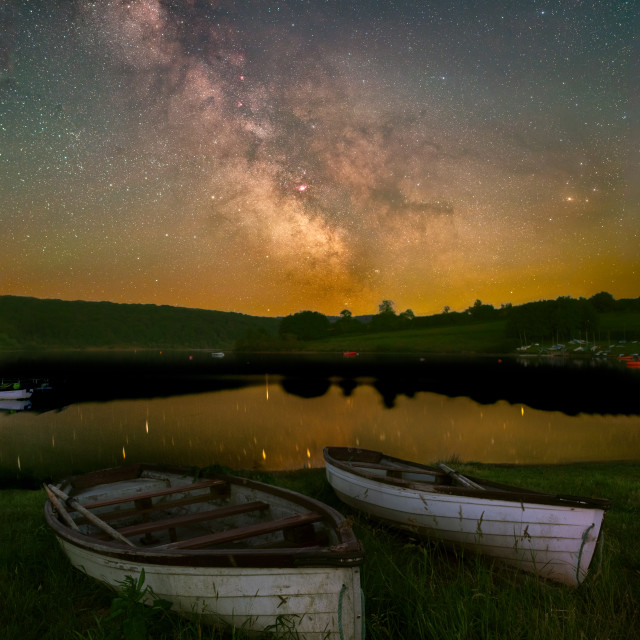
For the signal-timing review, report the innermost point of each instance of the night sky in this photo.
(270, 157)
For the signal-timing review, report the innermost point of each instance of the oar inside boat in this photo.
(224, 548)
(60, 508)
(459, 478)
(101, 524)
(550, 535)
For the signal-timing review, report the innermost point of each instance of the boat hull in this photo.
(241, 569)
(554, 541)
(16, 394)
(317, 602)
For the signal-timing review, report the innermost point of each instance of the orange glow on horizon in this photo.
(301, 188)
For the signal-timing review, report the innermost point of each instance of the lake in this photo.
(277, 413)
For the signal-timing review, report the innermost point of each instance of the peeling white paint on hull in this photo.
(227, 550)
(252, 599)
(554, 537)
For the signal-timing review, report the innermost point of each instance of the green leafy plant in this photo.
(130, 613)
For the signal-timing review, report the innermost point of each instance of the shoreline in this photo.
(548, 383)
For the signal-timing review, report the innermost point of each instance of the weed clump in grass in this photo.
(134, 609)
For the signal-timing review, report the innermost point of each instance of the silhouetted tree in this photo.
(386, 319)
(387, 306)
(347, 323)
(557, 320)
(480, 311)
(603, 301)
(305, 325)
(405, 319)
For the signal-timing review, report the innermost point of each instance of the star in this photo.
(418, 154)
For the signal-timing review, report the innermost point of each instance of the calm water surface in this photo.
(266, 423)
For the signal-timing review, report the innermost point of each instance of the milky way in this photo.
(272, 157)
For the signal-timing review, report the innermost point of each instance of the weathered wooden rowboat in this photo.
(227, 549)
(553, 536)
(17, 393)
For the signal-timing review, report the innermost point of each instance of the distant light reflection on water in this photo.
(268, 427)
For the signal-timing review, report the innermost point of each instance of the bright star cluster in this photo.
(318, 154)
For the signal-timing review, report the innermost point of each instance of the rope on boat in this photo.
(584, 541)
(342, 592)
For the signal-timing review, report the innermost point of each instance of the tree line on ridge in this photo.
(36, 323)
(564, 317)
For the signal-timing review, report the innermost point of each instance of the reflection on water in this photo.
(276, 426)
(14, 405)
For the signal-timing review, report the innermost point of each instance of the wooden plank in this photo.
(155, 494)
(103, 476)
(74, 504)
(60, 508)
(158, 506)
(386, 467)
(459, 478)
(192, 518)
(241, 533)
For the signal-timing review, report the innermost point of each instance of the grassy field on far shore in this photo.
(474, 338)
(413, 588)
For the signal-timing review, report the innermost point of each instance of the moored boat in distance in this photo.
(553, 536)
(14, 390)
(222, 548)
(632, 361)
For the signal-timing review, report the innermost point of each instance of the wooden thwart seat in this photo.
(191, 518)
(145, 506)
(240, 533)
(141, 497)
(148, 509)
(398, 470)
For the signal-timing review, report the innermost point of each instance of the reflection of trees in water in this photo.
(554, 384)
(391, 389)
(347, 385)
(388, 393)
(316, 387)
(306, 387)
(100, 386)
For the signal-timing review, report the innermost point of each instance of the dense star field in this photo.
(269, 157)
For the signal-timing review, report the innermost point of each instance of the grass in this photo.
(413, 588)
(477, 338)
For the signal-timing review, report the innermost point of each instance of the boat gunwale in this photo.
(493, 491)
(347, 552)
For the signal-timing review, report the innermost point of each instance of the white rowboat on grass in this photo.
(225, 549)
(552, 536)
(15, 393)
